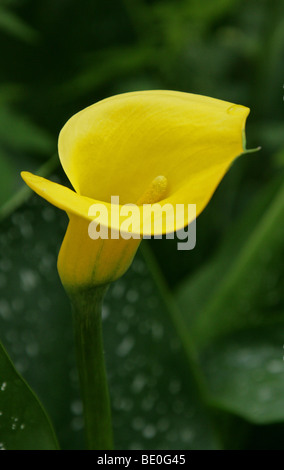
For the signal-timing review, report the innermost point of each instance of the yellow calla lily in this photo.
(146, 147)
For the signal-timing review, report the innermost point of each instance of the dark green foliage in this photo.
(58, 57)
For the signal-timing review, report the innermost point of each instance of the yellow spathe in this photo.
(146, 147)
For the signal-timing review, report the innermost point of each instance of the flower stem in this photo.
(92, 374)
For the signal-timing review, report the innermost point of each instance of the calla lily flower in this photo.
(146, 147)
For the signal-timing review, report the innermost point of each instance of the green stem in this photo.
(90, 359)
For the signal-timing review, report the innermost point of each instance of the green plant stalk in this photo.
(91, 366)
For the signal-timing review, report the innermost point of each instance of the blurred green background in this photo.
(58, 57)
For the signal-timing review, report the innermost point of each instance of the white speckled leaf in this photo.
(245, 373)
(155, 403)
(23, 422)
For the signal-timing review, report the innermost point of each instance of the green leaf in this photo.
(241, 287)
(15, 26)
(19, 133)
(156, 403)
(23, 422)
(245, 373)
(18, 198)
(234, 309)
(6, 178)
(114, 64)
(19, 137)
